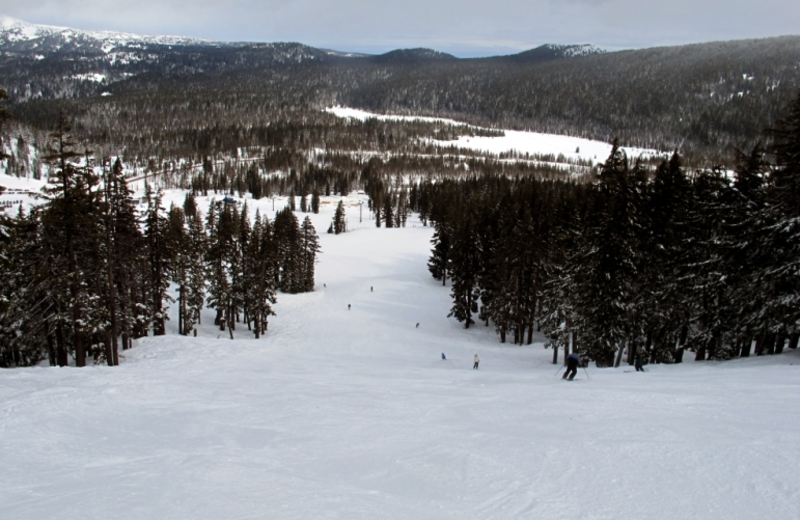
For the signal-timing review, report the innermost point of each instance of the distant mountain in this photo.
(705, 98)
(551, 52)
(412, 56)
(19, 36)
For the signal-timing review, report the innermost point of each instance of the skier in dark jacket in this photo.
(637, 363)
(572, 366)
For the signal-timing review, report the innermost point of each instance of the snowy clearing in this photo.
(572, 148)
(354, 415)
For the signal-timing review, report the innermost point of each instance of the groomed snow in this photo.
(523, 142)
(354, 415)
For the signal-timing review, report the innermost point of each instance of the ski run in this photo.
(353, 414)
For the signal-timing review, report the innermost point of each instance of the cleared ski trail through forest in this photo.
(354, 415)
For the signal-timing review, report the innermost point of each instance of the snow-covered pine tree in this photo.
(387, 213)
(160, 259)
(339, 221)
(310, 248)
(179, 273)
(439, 261)
(196, 274)
(71, 232)
(286, 233)
(779, 263)
(606, 264)
(465, 260)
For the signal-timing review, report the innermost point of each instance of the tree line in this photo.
(658, 263)
(86, 272)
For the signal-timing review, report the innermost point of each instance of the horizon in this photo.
(473, 30)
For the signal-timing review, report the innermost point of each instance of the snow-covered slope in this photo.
(572, 148)
(352, 414)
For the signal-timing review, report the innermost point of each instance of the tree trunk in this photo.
(574, 341)
(700, 355)
(632, 352)
(51, 350)
(555, 354)
(618, 359)
(793, 340)
(61, 348)
(769, 344)
(760, 344)
(744, 348)
(182, 311)
(779, 341)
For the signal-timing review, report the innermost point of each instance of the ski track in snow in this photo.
(353, 415)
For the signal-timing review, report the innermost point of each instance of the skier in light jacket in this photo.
(477, 360)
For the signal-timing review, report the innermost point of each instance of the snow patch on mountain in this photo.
(14, 31)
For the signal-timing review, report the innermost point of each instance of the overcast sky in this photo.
(463, 27)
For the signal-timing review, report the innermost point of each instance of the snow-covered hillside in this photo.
(15, 33)
(353, 414)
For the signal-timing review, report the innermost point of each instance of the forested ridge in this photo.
(702, 99)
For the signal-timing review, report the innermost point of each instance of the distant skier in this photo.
(348, 306)
(417, 324)
(572, 366)
(370, 288)
(443, 356)
(477, 361)
(637, 363)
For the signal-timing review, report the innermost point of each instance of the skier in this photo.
(477, 360)
(417, 324)
(370, 288)
(443, 356)
(637, 363)
(572, 366)
(348, 306)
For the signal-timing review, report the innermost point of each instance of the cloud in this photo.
(466, 27)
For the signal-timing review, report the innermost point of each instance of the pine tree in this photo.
(309, 249)
(388, 211)
(196, 276)
(339, 221)
(160, 258)
(178, 240)
(315, 200)
(69, 229)
(286, 232)
(606, 265)
(260, 276)
(778, 247)
(465, 261)
(439, 262)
